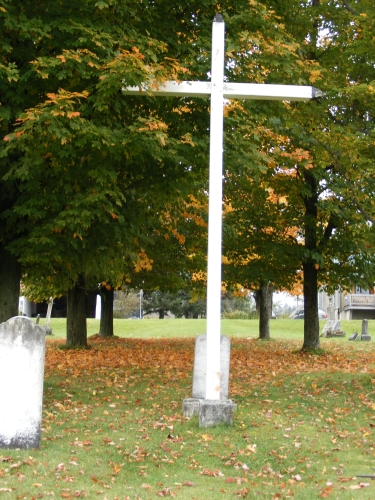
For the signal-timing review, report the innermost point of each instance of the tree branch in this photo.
(351, 187)
(350, 9)
(328, 231)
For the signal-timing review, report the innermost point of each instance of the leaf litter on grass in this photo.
(113, 427)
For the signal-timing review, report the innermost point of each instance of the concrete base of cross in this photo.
(211, 412)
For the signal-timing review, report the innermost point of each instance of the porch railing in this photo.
(360, 301)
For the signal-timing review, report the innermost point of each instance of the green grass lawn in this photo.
(113, 428)
(181, 328)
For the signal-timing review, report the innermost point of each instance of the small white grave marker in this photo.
(217, 90)
(22, 351)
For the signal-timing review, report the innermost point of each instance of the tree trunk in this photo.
(10, 277)
(76, 327)
(161, 313)
(310, 269)
(106, 318)
(311, 321)
(265, 296)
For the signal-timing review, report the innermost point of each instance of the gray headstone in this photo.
(200, 361)
(366, 337)
(365, 327)
(330, 327)
(22, 353)
(353, 336)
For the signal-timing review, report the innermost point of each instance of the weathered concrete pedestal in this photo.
(211, 412)
(22, 353)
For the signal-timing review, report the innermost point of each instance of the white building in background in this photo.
(359, 304)
(26, 307)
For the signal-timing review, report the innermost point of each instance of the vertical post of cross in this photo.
(215, 211)
(212, 351)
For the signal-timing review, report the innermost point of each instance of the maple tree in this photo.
(106, 317)
(331, 147)
(176, 250)
(101, 159)
(173, 250)
(259, 240)
(176, 245)
(319, 166)
(82, 191)
(77, 197)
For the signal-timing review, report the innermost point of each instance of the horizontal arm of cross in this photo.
(231, 91)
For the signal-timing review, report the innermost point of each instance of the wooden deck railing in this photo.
(359, 301)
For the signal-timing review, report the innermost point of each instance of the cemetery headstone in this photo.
(22, 353)
(98, 308)
(364, 334)
(353, 336)
(48, 329)
(332, 328)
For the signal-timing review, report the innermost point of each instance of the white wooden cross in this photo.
(218, 90)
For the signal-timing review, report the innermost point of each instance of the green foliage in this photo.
(88, 166)
(311, 207)
(101, 162)
(96, 184)
(176, 246)
(238, 307)
(125, 303)
(179, 304)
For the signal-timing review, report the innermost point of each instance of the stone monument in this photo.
(22, 353)
(332, 328)
(364, 333)
(200, 406)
